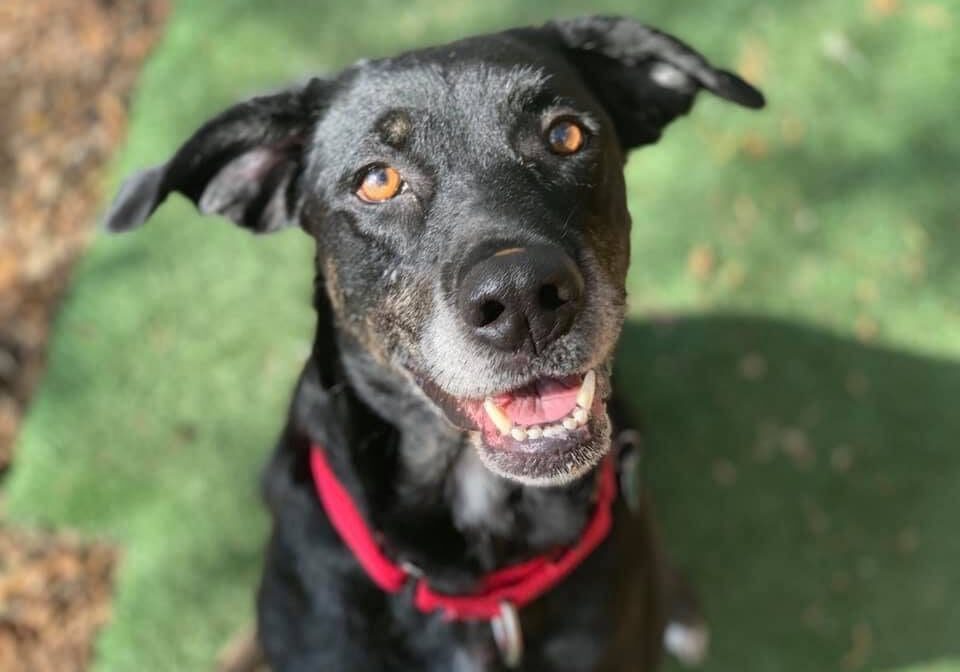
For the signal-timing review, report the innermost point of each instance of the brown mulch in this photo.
(67, 68)
(66, 71)
(54, 596)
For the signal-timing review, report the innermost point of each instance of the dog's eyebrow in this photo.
(394, 128)
(532, 99)
(528, 90)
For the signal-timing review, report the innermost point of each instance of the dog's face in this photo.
(469, 209)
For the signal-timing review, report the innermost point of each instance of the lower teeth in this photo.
(577, 418)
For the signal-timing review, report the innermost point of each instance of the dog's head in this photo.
(469, 211)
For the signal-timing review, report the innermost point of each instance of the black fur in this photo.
(464, 124)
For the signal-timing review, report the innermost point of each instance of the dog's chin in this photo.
(548, 432)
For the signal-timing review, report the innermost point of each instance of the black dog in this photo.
(472, 234)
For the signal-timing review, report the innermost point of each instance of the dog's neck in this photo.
(418, 478)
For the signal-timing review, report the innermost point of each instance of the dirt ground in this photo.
(54, 596)
(67, 68)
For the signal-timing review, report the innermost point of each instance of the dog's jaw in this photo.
(552, 467)
(546, 433)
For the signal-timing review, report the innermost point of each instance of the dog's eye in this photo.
(565, 137)
(379, 183)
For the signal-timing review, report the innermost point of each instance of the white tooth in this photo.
(498, 417)
(569, 423)
(580, 415)
(587, 390)
(553, 431)
(534, 433)
(518, 434)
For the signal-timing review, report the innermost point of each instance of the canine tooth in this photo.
(534, 433)
(569, 423)
(518, 434)
(580, 415)
(498, 417)
(587, 390)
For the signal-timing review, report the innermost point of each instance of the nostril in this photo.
(520, 299)
(553, 296)
(490, 310)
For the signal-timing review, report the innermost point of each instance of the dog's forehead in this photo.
(454, 93)
(441, 112)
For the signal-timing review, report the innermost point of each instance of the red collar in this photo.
(517, 585)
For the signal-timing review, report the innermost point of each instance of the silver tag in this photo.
(508, 635)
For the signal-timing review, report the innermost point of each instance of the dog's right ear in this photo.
(244, 164)
(643, 77)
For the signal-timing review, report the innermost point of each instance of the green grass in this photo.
(794, 347)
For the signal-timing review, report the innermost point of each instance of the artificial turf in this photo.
(793, 348)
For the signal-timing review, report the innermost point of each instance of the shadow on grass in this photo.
(810, 485)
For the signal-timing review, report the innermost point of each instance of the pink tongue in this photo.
(542, 402)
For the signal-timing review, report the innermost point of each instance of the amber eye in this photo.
(565, 137)
(379, 183)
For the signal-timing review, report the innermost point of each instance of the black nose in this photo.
(521, 297)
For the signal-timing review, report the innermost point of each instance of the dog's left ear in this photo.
(244, 164)
(643, 77)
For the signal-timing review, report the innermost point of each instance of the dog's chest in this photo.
(478, 498)
(484, 505)
(471, 647)
(471, 650)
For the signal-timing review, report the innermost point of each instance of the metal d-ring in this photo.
(508, 635)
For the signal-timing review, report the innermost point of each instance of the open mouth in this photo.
(547, 432)
(548, 408)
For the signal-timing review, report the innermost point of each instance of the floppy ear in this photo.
(644, 78)
(244, 164)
